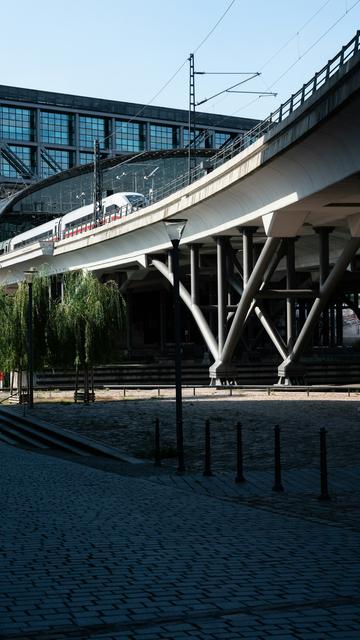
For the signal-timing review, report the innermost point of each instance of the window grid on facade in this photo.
(91, 129)
(62, 159)
(25, 154)
(56, 128)
(220, 138)
(16, 124)
(85, 158)
(163, 137)
(129, 136)
(201, 138)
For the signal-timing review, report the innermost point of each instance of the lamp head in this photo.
(30, 274)
(175, 228)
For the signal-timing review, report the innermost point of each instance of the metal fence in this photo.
(243, 141)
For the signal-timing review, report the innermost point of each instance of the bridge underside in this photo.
(250, 298)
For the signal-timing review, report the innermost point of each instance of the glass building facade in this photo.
(43, 133)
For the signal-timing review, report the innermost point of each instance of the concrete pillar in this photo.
(290, 284)
(339, 324)
(248, 252)
(129, 321)
(248, 265)
(194, 272)
(162, 322)
(324, 267)
(221, 291)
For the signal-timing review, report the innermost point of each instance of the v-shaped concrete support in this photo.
(222, 367)
(194, 309)
(289, 368)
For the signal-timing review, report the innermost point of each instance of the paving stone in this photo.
(84, 547)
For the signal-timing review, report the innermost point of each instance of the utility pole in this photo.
(192, 124)
(97, 184)
(192, 104)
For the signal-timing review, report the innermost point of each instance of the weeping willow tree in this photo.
(14, 317)
(89, 322)
(6, 324)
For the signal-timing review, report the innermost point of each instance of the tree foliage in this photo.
(89, 319)
(83, 328)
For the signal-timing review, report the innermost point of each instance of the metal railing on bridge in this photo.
(243, 141)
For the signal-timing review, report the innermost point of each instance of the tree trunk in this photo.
(92, 385)
(86, 384)
(76, 384)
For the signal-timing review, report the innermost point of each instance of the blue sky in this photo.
(127, 50)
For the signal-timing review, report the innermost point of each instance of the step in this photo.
(21, 437)
(67, 440)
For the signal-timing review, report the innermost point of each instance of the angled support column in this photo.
(196, 312)
(222, 367)
(289, 368)
(266, 322)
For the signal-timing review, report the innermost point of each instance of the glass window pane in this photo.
(16, 124)
(54, 161)
(91, 129)
(163, 137)
(24, 154)
(130, 136)
(56, 128)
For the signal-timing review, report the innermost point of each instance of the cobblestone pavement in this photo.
(129, 425)
(89, 554)
(106, 551)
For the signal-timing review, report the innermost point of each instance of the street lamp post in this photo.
(175, 229)
(29, 277)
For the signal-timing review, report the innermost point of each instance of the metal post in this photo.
(97, 186)
(191, 128)
(239, 455)
(324, 494)
(178, 401)
(207, 466)
(157, 462)
(30, 347)
(277, 456)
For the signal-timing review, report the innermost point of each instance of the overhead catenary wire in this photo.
(271, 86)
(166, 84)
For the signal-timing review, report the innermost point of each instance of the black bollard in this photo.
(324, 493)
(207, 466)
(277, 455)
(157, 462)
(239, 455)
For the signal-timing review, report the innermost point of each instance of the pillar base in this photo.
(221, 374)
(291, 374)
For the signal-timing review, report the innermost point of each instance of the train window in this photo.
(136, 201)
(113, 208)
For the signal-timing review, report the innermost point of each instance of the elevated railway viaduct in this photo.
(271, 242)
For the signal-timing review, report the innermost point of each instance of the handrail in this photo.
(243, 141)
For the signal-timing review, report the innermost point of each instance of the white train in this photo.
(80, 220)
